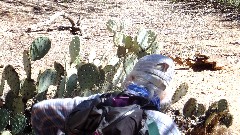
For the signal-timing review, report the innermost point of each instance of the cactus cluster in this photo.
(84, 78)
(193, 109)
(207, 120)
(21, 90)
(17, 122)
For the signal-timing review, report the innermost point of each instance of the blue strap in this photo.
(142, 91)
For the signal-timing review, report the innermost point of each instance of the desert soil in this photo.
(183, 30)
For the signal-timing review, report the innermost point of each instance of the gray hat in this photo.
(155, 68)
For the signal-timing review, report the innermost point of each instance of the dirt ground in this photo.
(182, 29)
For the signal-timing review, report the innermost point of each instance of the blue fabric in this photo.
(142, 91)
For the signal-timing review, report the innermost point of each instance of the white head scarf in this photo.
(154, 72)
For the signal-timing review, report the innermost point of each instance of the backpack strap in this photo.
(152, 127)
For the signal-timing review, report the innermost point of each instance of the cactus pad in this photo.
(109, 72)
(71, 84)
(129, 62)
(2, 84)
(211, 122)
(47, 78)
(39, 48)
(28, 89)
(61, 88)
(9, 100)
(200, 110)
(193, 109)
(118, 39)
(155, 48)
(18, 105)
(12, 79)
(180, 92)
(18, 123)
(4, 118)
(74, 48)
(223, 105)
(220, 106)
(128, 42)
(145, 38)
(60, 72)
(190, 107)
(226, 120)
(27, 63)
(88, 76)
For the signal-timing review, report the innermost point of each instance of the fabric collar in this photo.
(143, 92)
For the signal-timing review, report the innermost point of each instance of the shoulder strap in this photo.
(152, 127)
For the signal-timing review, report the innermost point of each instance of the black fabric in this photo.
(121, 120)
(97, 116)
(84, 118)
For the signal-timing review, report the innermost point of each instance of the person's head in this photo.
(154, 72)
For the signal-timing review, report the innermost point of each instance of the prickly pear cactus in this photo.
(180, 92)
(18, 105)
(4, 118)
(71, 84)
(193, 109)
(28, 89)
(129, 62)
(74, 48)
(223, 106)
(59, 68)
(12, 79)
(18, 123)
(101, 77)
(47, 78)
(27, 63)
(109, 72)
(61, 88)
(88, 76)
(128, 41)
(9, 100)
(200, 110)
(145, 38)
(39, 48)
(60, 72)
(190, 107)
(155, 48)
(211, 121)
(227, 120)
(220, 106)
(2, 84)
(118, 39)
(218, 112)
